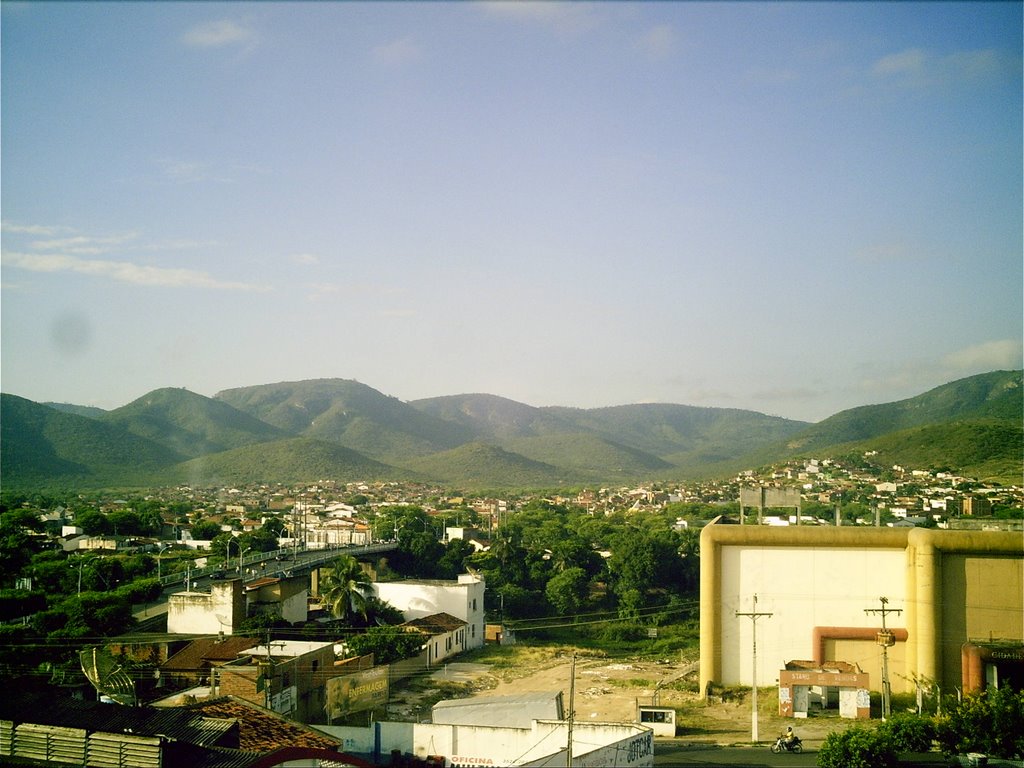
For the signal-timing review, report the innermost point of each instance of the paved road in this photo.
(669, 752)
(674, 752)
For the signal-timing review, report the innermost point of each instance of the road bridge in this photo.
(280, 562)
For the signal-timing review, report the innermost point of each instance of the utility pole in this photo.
(753, 615)
(572, 709)
(886, 639)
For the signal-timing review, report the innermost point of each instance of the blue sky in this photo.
(792, 208)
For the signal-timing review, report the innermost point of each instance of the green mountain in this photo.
(988, 450)
(41, 445)
(293, 460)
(82, 410)
(347, 413)
(998, 395)
(665, 430)
(588, 456)
(334, 428)
(190, 424)
(480, 465)
(489, 417)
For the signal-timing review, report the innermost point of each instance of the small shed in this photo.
(806, 684)
(661, 720)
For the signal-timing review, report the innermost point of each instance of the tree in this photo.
(126, 522)
(17, 542)
(387, 644)
(453, 561)
(643, 562)
(93, 523)
(205, 531)
(345, 588)
(567, 591)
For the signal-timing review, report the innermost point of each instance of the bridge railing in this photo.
(257, 559)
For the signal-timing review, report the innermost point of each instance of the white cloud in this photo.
(305, 258)
(82, 245)
(397, 53)
(31, 229)
(217, 34)
(918, 68)
(1004, 354)
(122, 271)
(910, 62)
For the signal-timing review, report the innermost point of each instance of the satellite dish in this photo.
(108, 676)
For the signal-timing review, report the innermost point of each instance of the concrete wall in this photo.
(219, 610)
(951, 586)
(802, 588)
(596, 745)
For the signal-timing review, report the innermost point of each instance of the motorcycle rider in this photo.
(789, 736)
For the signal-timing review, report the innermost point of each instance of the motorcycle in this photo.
(781, 745)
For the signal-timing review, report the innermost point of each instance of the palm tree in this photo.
(346, 588)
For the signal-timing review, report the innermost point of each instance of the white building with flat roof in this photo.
(418, 598)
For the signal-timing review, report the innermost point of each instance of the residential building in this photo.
(445, 635)
(463, 599)
(286, 676)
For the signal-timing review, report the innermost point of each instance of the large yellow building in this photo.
(954, 601)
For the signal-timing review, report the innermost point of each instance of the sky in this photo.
(789, 208)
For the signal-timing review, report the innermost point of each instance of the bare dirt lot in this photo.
(609, 690)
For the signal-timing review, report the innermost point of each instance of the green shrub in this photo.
(988, 722)
(857, 747)
(908, 732)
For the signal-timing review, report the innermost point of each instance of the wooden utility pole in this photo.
(753, 615)
(572, 709)
(886, 639)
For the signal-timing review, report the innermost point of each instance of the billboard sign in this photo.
(357, 692)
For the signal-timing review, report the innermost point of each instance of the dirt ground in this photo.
(610, 690)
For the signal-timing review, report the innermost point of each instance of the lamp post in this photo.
(159, 553)
(81, 562)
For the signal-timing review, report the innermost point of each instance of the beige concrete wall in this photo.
(951, 586)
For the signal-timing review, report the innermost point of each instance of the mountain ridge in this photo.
(345, 428)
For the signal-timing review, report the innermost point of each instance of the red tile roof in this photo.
(260, 729)
(202, 652)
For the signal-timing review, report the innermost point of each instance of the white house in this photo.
(463, 599)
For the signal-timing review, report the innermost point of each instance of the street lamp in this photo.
(81, 562)
(161, 548)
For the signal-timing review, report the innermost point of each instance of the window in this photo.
(655, 717)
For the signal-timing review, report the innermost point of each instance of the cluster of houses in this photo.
(216, 697)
